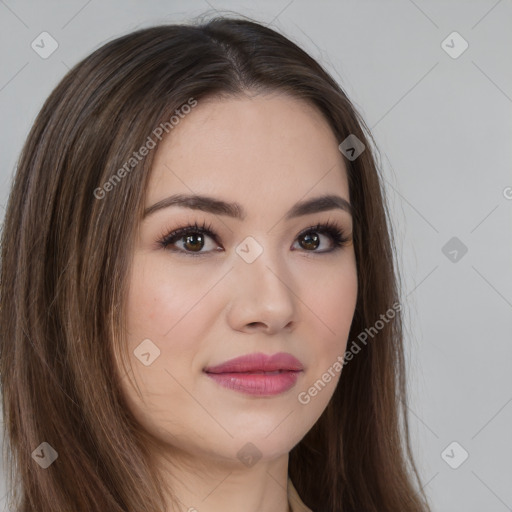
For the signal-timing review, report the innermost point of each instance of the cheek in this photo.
(160, 297)
(332, 304)
(162, 321)
(331, 296)
(163, 307)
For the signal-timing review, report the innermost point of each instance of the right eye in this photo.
(192, 238)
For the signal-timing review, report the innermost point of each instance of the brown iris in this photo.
(310, 241)
(194, 242)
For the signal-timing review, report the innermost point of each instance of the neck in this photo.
(208, 484)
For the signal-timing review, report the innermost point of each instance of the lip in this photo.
(258, 362)
(257, 374)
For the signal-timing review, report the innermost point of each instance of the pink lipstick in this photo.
(258, 374)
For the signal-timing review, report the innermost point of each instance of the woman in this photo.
(199, 303)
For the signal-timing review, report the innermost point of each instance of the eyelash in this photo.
(338, 237)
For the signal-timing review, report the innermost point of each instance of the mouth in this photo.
(257, 374)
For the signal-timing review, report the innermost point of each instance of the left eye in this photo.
(311, 240)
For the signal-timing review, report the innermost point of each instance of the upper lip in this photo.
(257, 362)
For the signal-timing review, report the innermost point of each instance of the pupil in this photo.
(194, 245)
(311, 240)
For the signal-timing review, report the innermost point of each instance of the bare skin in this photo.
(266, 152)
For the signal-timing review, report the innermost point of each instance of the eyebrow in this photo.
(236, 211)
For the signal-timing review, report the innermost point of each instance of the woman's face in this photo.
(262, 280)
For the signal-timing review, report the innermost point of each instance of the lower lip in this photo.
(259, 384)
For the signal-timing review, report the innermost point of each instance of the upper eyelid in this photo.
(211, 232)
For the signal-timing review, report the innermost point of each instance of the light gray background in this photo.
(444, 128)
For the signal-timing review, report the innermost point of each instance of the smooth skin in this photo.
(265, 152)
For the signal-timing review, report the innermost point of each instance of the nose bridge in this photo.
(261, 263)
(264, 291)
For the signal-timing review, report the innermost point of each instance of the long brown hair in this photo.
(65, 253)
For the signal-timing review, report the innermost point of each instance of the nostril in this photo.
(254, 324)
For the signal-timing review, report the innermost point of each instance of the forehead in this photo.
(268, 148)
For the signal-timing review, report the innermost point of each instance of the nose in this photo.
(262, 297)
